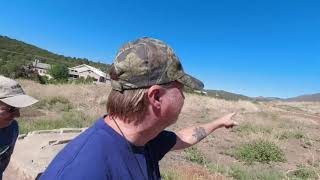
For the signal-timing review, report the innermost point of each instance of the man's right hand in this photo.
(226, 121)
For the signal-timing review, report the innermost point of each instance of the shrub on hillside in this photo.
(290, 134)
(303, 172)
(42, 79)
(259, 151)
(169, 175)
(194, 155)
(82, 80)
(241, 173)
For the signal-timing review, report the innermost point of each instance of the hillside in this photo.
(15, 54)
(261, 98)
(220, 94)
(308, 97)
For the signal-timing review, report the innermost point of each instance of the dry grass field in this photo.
(275, 140)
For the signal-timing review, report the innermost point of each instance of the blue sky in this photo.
(265, 47)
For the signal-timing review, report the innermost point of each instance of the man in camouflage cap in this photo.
(147, 82)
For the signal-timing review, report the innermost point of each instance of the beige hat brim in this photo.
(19, 101)
(191, 82)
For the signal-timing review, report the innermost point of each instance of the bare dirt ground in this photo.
(274, 119)
(292, 126)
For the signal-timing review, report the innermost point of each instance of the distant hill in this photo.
(308, 97)
(220, 94)
(261, 98)
(15, 54)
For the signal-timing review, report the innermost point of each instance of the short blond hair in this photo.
(129, 103)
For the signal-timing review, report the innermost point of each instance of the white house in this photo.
(88, 71)
(41, 68)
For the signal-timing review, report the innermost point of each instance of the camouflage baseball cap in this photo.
(146, 62)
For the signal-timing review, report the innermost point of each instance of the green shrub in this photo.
(268, 175)
(169, 175)
(290, 135)
(239, 174)
(82, 80)
(259, 151)
(194, 155)
(42, 79)
(216, 168)
(253, 174)
(306, 143)
(59, 72)
(303, 172)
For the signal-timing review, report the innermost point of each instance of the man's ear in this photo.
(154, 96)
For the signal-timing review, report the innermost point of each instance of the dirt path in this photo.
(13, 174)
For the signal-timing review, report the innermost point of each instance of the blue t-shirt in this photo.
(100, 153)
(8, 137)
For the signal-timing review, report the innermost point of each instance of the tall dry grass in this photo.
(88, 98)
(196, 102)
(92, 98)
(309, 107)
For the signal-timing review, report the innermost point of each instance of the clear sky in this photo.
(262, 47)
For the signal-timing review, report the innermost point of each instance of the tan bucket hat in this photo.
(12, 94)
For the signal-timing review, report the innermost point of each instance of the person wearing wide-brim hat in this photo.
(12, 98)
(147, 82)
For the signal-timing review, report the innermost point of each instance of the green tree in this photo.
(59, 72)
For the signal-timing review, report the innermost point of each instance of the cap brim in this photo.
(191, 82)
(20, 101)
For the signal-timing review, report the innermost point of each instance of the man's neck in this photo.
(137, 134)
(5, 123)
